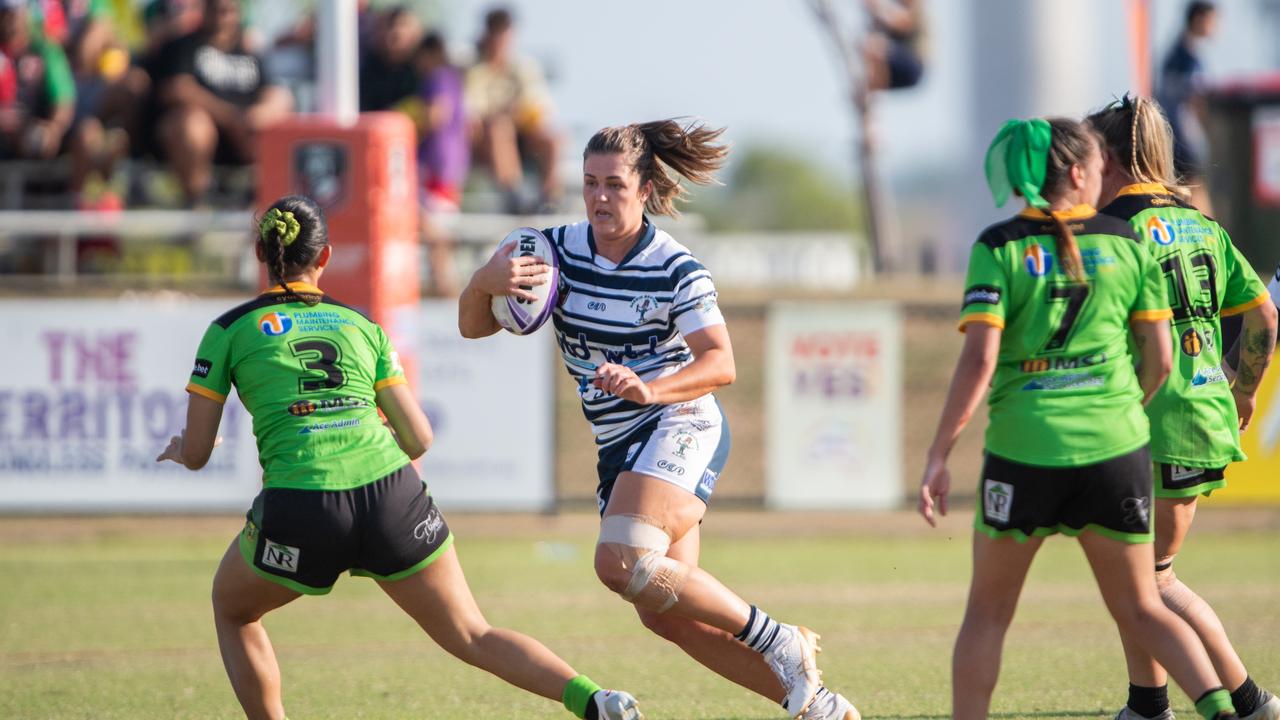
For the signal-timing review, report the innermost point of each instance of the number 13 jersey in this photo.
(1064, 392)
(1193, 416)
(308, 375)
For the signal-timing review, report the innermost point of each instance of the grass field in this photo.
(108, 618)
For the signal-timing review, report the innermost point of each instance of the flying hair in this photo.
(653, 148)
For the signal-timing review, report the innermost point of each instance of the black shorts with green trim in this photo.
(304, 539)
(1111, 498)
(1177, 481)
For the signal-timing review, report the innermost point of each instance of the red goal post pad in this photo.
(365, 178)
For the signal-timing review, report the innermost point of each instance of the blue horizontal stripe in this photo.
(610, 280)
(657, 325)
(596, 292)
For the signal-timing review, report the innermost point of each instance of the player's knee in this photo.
(672, 628)
(631, 561)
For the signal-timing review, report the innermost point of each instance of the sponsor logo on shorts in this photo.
(671, 467)
(1191, 342)
(1208, 376)
(1063, 363)
(1074, 381)
(633, 450)
(250, 532)
(202, 368)
(1179, 473)
(281, 557)
(982, 295)
(1137, 510)
(684, 440)
(643, 305)
(1160, 230)
(302, 408)
(429, 529)
(330, 425)
(708, 482)
(275, 323)
(997, 499)
(1037, 260)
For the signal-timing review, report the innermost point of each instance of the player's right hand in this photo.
(1245, 404)
(933, 490)
(505, 275)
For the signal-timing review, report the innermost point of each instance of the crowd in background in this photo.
(97, 88)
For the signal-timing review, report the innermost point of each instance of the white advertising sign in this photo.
(92, 390)
(491, 403)
(834, 405)
(90, 393)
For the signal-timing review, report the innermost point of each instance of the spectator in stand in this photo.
(443, 156)
(1180, 93)
(214, 99)
(37, 92)
(510, 108)
(388, 75)
(893, 52)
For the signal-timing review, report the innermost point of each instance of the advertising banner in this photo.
(91, 392)
(834, 405)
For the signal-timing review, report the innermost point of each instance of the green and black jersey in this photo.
(1193, 416)
(307, 375)
(1064, 392)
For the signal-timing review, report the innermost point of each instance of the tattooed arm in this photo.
(1250, 357)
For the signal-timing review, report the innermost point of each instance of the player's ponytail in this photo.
(291, 233)
(1033, 158)
(1136, 133)
(652, 148)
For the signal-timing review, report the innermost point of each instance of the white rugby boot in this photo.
(1269, 710)
(616, 705)
(793, 658)
(1127, 714)
(827, 705)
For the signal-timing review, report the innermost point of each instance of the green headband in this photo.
(281, 224)
(1016, 160)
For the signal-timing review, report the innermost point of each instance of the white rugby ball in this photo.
(522, 316)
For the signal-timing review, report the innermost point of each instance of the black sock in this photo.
(593, 713)
(1247, 698)
(1148, 702)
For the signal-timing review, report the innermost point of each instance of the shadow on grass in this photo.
(1000, 715)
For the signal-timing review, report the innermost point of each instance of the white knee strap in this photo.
(656, 580)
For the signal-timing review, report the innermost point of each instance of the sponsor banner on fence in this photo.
(91, 392)
(834, 406)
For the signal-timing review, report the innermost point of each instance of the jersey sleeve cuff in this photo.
(388, 382)
(1246, 307)
(985, 318)
(1151, 315)
(206, 392)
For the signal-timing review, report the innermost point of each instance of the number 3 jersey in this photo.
(635, 313)
(1193, 416)
(1064, 392)
(307, 375)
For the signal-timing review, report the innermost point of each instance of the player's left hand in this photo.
(933, 490)
(174, 450)
(1245, 404)
(622, 381)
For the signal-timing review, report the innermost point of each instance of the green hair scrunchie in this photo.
(1016, 160)
(280, 223)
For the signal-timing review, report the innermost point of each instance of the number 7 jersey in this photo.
(1064, 393)
(308, 375)
(1193, 416)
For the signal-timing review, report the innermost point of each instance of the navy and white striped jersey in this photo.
(634, 313)
(1274, 287)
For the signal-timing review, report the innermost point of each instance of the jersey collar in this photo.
(1082, 211)
(1144, 189)
(297, 287)
(647, 232)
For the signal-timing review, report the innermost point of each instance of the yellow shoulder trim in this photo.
(984, 318)
(1151, 315)
(388, 382)
(206, 392)
(1228, 312)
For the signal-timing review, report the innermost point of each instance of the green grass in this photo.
(116, 625)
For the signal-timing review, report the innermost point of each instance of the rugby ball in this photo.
(522, 316)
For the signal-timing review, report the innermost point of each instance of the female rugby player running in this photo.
(1051, 299)
(640, 330)
(339, 490)
(1195, 421)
